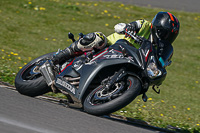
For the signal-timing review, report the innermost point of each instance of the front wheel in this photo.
(102, 101)
(29, 80)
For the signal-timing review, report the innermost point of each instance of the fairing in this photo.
(110, 57)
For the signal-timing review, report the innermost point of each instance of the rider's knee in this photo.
(90, 41)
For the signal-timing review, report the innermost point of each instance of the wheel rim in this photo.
(30, 74)
(32, 71)
(103, 95)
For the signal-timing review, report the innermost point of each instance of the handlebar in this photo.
(138, 39)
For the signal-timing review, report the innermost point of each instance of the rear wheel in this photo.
(104, 100)
(29, 80)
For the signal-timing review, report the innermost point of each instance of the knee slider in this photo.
(87, 39)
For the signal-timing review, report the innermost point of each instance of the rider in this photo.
(162, 31)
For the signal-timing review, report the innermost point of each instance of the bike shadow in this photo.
(146, 125)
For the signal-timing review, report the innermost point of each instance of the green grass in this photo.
(32, 28)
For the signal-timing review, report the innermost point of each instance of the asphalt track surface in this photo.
(22, 114)
(180, 5)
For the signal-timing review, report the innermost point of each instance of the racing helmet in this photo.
(165, 26)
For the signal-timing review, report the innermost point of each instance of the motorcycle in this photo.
(102, 83)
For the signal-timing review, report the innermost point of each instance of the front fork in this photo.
(118, 76)
(109, 82)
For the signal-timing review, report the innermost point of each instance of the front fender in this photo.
(135, 75)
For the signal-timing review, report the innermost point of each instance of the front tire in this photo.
(114, 100)
(30, 83)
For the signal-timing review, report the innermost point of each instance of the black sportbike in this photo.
(101, 83)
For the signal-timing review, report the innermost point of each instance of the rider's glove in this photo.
(133, 27)
(119, 28)
(130, 29)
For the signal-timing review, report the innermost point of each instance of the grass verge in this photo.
(33, 28)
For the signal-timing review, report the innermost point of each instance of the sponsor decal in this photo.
(66, 85)
(114, 56)
(119, 57)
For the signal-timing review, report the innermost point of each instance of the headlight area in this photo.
(152, 69)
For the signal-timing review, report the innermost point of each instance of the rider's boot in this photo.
(63, 55)
(89, 42)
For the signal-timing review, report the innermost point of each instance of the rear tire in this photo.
(35, 85)
(129, 93)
